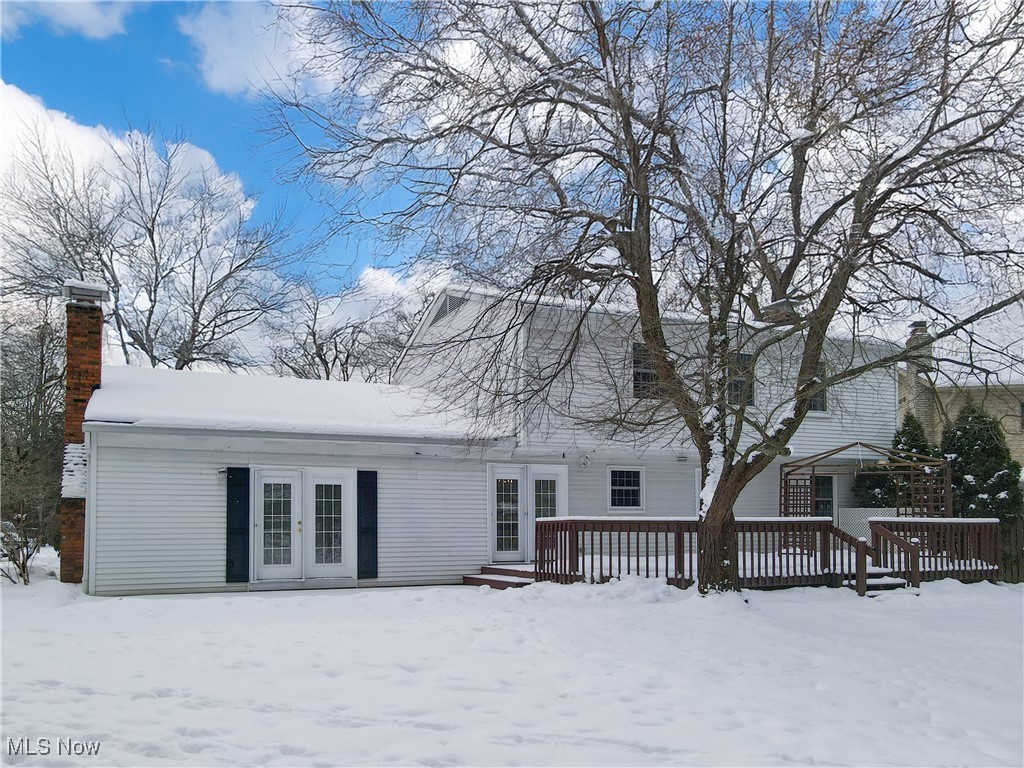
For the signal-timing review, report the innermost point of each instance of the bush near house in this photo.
(877, 489)
(986, 479)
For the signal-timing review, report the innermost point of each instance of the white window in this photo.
(740, 387)
(626, 488)
(819, 400)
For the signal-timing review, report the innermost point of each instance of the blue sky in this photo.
(180, 66)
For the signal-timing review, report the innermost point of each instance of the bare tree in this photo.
(32, 420)
(749, 180)
(345, 336)
(170, 236)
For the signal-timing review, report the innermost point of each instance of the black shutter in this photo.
(238, 524)
(366, 517)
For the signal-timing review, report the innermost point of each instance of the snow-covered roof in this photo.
(145, 397)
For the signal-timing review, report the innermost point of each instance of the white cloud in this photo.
(97, 20)
(241, 46)
(30, 131)
(25, 121)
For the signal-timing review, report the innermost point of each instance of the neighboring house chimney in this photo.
(917, 395)
(84, 356)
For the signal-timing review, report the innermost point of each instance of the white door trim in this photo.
(346, 478)
(292, 569)
(303, 524)
(560, 474)
(526, 474)
(497, 472)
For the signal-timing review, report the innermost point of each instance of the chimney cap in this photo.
(90, 293)
(919, 325)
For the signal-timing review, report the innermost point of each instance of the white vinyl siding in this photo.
(431, 522)
(159, 523)
(668, 488)
(160, 515)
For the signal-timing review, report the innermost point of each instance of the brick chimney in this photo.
(84, 357)
(917, 390)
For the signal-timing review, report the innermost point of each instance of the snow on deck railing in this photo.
(936, 548)
(772, 551)
(938, 520)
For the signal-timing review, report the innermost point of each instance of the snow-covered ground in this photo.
(628, 673)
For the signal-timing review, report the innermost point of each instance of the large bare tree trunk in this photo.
(717, 547)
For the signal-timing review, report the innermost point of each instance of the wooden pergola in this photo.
(922, 484)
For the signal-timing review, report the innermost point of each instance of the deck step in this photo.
(877, 570)
(519, 571)
(874, 571)
(496, 581)
(886, 582)
(878, 584)
(879, 592)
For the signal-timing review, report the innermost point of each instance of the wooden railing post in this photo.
(679, 554)
(573, 550)
(881, 553)
(915, 563)
(538, 549)
(825, 548)
(862, 566)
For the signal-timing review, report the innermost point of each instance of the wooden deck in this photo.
(773, 552)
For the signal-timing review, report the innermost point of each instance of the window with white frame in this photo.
(645, 379)
(740, 386)
(626, 488)
(819, 399)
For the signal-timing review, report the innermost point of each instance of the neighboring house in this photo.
(937, 404)
(204, 481)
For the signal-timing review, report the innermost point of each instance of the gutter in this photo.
(123, 427)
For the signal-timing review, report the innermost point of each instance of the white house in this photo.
(205, 482)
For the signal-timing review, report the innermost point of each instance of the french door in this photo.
(519, 494)
(304, 523)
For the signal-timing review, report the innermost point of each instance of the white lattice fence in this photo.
(854, 520)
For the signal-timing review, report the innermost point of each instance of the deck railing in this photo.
(785, 551)
(959, 548)
(596, 549)
(901, 555)
(773, 551)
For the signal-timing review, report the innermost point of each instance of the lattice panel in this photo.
(798, 496)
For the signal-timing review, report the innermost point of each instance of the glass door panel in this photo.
(506, 499)
(278, 525)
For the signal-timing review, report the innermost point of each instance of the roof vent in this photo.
(449, 305)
